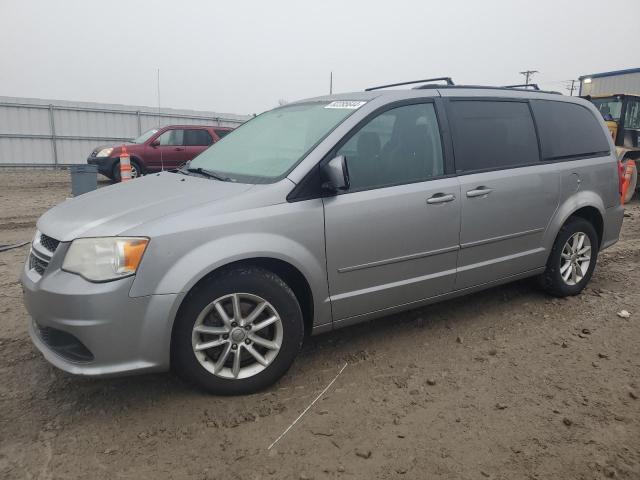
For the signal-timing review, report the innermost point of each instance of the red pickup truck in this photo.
(161, 148)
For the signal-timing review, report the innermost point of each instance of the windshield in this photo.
(610, 108)
(145, 136)
(271, 144)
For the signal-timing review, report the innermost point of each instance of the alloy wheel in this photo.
(237, 336)
(575, 258)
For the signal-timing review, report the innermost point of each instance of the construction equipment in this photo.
(617, 96)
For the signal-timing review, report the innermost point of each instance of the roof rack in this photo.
(533, 86)
(447, 80)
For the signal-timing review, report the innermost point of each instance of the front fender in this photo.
(184, 272)
(201, 261)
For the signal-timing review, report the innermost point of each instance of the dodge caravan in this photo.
(320, 214)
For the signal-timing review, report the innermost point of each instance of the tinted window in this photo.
(568, 130)
(197, 138)
(222, 133)
(172, 137)
(491, 134)
(401, 145)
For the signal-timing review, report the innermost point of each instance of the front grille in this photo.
(37, 264)
(64, 344)
(42, 250)
(49, 243)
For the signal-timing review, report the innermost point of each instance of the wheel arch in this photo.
(587, 205)
(593, 216)
(290, 274)
(140, 163)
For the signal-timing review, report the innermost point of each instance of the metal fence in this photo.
(37, 132)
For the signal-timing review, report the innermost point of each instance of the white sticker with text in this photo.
(348, 104)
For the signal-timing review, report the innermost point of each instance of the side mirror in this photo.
(155, 143)
(336, 173)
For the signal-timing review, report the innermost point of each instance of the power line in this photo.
(528, 74)
(570, 86)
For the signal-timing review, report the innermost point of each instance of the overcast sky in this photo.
(243, 56)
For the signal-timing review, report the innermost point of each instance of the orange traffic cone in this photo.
(630, 165)
(125, 165)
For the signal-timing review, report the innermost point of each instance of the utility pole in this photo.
(158, 92)
(331, 83)
(528, 74)
(571, 87)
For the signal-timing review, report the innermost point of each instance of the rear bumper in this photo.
(105, 165)
(612, 225)
(97, 329)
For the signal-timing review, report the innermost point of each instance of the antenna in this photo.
(158, 83)
(331, 83)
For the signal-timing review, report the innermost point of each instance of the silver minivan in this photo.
(317, 215)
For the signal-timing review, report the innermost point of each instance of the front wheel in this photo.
(572, 259)
(238, 332)
(136, 171)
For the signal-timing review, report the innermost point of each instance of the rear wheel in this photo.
(572, 259)
(238, 332)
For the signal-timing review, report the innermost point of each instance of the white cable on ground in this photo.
(4, 248)
(307, 409)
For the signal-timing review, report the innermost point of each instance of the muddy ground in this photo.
(504, 384)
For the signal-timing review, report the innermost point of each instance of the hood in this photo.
(118, 208)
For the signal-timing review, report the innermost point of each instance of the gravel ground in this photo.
(505, 384)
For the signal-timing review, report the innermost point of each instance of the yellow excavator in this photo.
(621, 113)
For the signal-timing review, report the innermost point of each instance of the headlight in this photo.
(105, 152)
(104, 259)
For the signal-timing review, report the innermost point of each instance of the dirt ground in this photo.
(503, 384)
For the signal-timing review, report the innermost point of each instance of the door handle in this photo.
(178, 149)
(479, 192)
(441, 198)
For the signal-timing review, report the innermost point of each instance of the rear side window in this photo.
(197, 138)
(568, 130)
(492, 134)
(222, 133)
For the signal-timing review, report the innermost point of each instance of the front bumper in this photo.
(113, 332)
(105, 165)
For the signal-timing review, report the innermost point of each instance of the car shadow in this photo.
(122, 395)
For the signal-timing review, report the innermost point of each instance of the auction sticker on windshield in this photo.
(348, 104)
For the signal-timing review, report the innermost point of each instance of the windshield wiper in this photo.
(210, 174)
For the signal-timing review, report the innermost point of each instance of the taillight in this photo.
(620, 177)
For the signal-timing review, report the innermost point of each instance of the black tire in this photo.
(551, 279)
(247, 280)
(116, 170)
